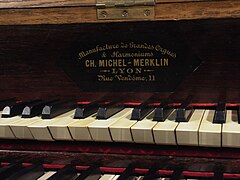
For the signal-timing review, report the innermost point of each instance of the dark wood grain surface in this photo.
(29, 57)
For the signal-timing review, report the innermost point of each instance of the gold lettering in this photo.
(138, 70)
(117, 54)
(140, 53)
(129, 71)
(150, 62)
(101, 63)
(136, 62)
(147, 62)
(90, 63)
(112, 63)
(108, 63)
(165, 61)
(130, 78)
(87, 63)
(126, 71)
(104, 78)
(121, 70)
(114, 71)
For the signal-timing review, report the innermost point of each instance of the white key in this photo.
(20, 128)
(40, 129)
(187, 132)
(109, 177)
(99, 128)
(164, 132)
(209, 132)
(121, 129)
(59, 129)
(231, 130)
(5, 130)
(47, 175)
(79, 128)
(142, 130)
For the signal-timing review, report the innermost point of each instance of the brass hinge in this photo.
(125, 9)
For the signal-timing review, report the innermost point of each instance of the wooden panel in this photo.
(165, 11)
(200, 10)
(48, 16)
(183, 1)
(61, 3)
(29, 56)
(44, 3)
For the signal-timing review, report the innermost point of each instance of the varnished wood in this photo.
(61, 3)
(198, 10)
(45, 3)
(163, 11)
(29, 56)
(34, 35)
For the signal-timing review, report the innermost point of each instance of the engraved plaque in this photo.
(127, 57)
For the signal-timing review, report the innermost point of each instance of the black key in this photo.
(5, 102)
(220, 113)
(184, 111)
(108, 110)
(57, 108)
(92, 173)
(177, 173)
(28, 173)
(128, 173)
(85, 110)
(141, 111)
(15, 109)
(66, 173)
(162, 112)
(7, 171)
(35, 109)
(151, 174)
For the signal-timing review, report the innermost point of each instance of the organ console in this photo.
(119, 89)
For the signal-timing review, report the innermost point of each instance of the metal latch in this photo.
(125, 9)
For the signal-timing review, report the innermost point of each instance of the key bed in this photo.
(164, 171)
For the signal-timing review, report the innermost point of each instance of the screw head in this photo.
(147, 12)
(104, 14)
(125, 13)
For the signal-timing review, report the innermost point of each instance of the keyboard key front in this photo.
(164, 132)
(99, 129)
(187, 132)
(121, 129)
(52, 129)
(231, 130)
(79, 128)
(142, 130)
(5, 130)
(209, 132)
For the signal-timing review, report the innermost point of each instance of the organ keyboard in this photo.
(156, 83)
(199, 128)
